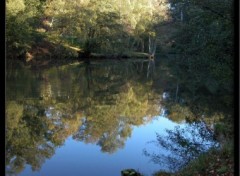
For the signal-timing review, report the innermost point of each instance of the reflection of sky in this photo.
(80, 159)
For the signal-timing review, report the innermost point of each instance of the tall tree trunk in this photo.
(152, 44)
(181, 16)
(142, 42)
(149, 44)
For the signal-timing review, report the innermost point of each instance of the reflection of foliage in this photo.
(23, 82)
(111, 142)
(108, 125)
(112, 105)
(14, 112)
(61, 125)
(98, 106)
(33, 133)
(179, 113)
(56, 103)
(184, 144)
(25, 143)
(190, 103)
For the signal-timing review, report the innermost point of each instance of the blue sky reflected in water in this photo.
(79, 159)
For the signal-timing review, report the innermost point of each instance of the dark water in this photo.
(93, 119)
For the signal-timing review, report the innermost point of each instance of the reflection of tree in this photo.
(199, 94)
(113, 140)
(61, 124)
(110, 124)
(46, 88)
(103, 115)
(181, 145)
(190, 109)
(33, 134)
(25, 142)
(88, 74)
(21, 81)
(187, 100)
(120, 97)
(179, 113)
(151, 67)
(113, 107)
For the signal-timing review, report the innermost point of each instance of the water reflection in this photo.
(181, 145)
(94, 103)
(98, 103)
(76, 158)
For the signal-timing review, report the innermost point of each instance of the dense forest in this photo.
(117, 26)
(94, 26)
(196, 36)
(60, 29)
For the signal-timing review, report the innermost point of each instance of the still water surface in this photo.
(77, 158)
(88, 119)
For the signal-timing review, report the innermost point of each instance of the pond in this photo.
(93, 118)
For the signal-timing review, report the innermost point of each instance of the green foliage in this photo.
(20, 22)
(208, 44)
(96, 26)
(15, 6)
(14, 112)
(222, 170)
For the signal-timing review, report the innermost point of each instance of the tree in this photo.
(21, 19)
